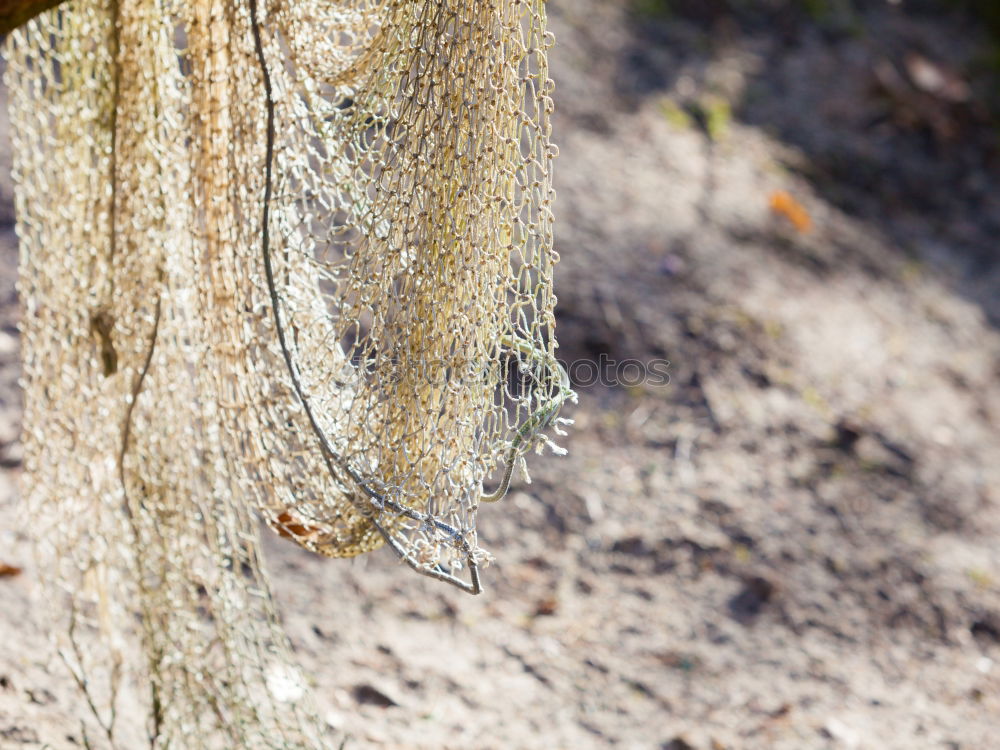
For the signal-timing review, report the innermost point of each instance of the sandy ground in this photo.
(794, 544)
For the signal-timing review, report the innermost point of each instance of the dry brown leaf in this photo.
(936, 78)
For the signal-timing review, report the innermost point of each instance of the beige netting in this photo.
(288, 259)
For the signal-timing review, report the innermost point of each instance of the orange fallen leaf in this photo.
(9, 570)
(783, 204)
(290, 527)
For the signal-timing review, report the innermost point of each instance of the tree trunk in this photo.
(15, 12)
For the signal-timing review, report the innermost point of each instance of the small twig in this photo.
(81, 682)
(85, 736)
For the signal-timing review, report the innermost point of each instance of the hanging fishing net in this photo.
(280, 260)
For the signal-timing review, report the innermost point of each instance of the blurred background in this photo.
(795, 543)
